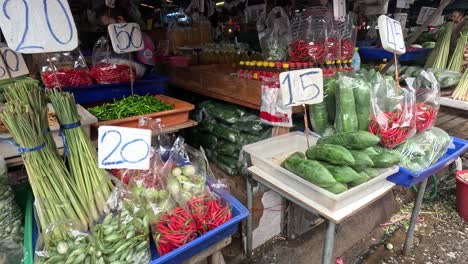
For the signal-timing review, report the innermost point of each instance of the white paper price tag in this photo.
(38, 26)
(124, 148)
(301, 87)
(15, 64)
(125, 37)
(339, 10)
(391, 35)
(427, 12)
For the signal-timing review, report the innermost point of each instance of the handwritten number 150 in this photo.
(23, 43)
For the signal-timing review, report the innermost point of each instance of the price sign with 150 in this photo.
(14, 62)
(301, 87)
(38, 26)
(391, 35)
(125, 37)
(124, 148)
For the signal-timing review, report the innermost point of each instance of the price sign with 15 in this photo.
(124, 148)
(38, 26)
(125, 37)
(14, 63)
(301, 87)
(391, 35)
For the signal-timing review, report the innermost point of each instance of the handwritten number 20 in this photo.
(106, 160)
(22, 44)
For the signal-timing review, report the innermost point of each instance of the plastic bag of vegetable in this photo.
(320, 114)
(11, 233)
(275, 38)
(427, 99)
(226, 113)
(423, 149)
(393, 112)
(249, 123)
(346, 116)
(272, 111)
(446, 78)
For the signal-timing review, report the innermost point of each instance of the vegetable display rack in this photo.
(239, 213)
(178, 115)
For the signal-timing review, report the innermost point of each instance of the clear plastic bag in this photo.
(348, 32)
(277, 36)
(446, 78)
(272, 111)
(319, 114)
(69, 69)
(423, 149)
(11, 233)
(317, 36)
(346, 117)
(393, 111)
(333, 42)
(298, 49)
(427, 99)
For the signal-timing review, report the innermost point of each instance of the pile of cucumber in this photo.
(341, 161)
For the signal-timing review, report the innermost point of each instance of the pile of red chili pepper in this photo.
(347, 49)
(388, 126)
(425, 116)
(208, 213)
(174, 230)
(110, 73)
(317, 52)
(66, 78)
(298, 50)
(333, 48)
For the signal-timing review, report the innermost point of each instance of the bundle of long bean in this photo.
(56, 198)
(456, 62)
(29, 93)
(90, 181)
(439, 55)
(461, 91)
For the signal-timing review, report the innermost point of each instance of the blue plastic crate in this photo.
(238, 212)
(150, 84)
(373, 54)
(408, 178)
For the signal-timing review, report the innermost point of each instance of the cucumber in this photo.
(370, 151)
(318, 116)
(351, 140)
(342, 174)
(229, 149)
(224, 132)
(363, 104)
(372, 173)
(333, 154)
(362, 179)
(346, 119)
(361, 158)
(385, 160)
(330, 99)
(337, 188)
(310, 170)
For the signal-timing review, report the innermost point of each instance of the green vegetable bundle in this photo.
(134, 105)
(346, 117)
(57, 199)
(461, 91)
(439, 56)
(91, 182)
(456, 62)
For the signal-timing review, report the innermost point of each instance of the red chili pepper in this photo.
(347, 49)
(66, 78)
(110, 73)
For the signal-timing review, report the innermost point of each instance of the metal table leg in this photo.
(414, 217)
(328, 243)
(249, 218)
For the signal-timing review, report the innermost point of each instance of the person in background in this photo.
(145, 56)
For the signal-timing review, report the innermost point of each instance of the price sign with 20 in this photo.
(38, 26)
(14, 63)
(124, 148)
(125, 37)
(301, 87)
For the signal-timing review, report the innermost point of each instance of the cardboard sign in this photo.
(391, 35)
(301, 87)
(402, 18)
(427, 12)
(15, 64)
(125, 37)
(38, 26)
(124, 148)
(339, 10)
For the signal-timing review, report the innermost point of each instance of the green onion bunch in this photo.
(456, 62)
(439, 55)
(91, 182)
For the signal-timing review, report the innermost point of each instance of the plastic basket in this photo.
(408, 178)
(373, 54)
(239, 213)
(150, 84)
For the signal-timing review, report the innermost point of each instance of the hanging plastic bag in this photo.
(423, 149)
(272, 111)
(348, 37)
(317, 35)
(110, 67)
(393, 111)
(427, 100)
(333, 42)
(11, 233)
(70, 70)
(298, 49)
(446, 78)
(274, 41)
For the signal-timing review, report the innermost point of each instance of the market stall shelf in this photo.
(176, 116)
(446, 101)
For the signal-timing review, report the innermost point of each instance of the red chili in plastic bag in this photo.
(392, 133)
(66, 78)
(110, 73)
(347, 49)
(317, 52)
(298, 50)
(425, 116)
(208, 213)
(333, 48)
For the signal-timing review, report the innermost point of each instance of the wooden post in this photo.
(306, 125)
(132, 77)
